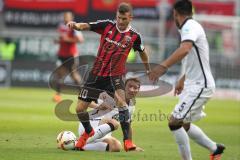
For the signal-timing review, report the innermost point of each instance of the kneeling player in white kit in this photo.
(104, 118)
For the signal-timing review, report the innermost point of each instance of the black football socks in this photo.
(124, 121)
(84, 119)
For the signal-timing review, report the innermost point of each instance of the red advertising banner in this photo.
(77, 6)
(81, 6)
(104, 5)
(216, 8)
(48, 13)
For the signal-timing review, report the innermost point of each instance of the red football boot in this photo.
(83, 140)
(129, 145)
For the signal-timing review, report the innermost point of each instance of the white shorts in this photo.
(191, 103)
(94, 124)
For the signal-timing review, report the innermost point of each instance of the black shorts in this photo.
(97, 84)
(68, 62)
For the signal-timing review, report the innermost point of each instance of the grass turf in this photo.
(28, 128)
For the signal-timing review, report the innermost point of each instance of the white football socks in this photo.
(196, 134)
(98, 146)
(100, 132)
(182, 140)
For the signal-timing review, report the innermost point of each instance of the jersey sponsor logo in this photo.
(116, 43)
(186, 31)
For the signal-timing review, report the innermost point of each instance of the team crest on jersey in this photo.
(128, 39)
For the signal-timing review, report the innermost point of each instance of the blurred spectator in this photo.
(1, 5)
(67, 40)
(7, 49)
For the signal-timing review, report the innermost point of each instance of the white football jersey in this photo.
(196, 65)
(96, 114)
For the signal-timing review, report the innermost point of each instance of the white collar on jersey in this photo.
(126, 30)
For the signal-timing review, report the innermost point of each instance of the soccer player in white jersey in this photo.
(104, 118)
(196, 85)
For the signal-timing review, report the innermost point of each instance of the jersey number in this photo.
(182, 106)
(83, 93)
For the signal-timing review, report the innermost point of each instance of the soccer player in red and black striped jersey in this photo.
(117, 39)
(67, 40)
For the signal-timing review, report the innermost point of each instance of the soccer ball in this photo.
(66, 140)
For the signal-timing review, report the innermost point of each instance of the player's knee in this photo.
(79, 109)
(174, 127)
(174, 124)
(186, 126)
(115, 146)
(81, 106)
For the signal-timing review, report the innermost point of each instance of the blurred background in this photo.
(28, 28)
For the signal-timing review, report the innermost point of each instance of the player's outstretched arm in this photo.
(78, 26)
(177, 55)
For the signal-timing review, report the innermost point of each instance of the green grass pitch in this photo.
(28, 128)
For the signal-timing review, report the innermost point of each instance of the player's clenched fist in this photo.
(157, 72)
(72, 25)
(78, 26)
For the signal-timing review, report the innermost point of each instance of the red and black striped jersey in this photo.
(67, 49)
(114, 47)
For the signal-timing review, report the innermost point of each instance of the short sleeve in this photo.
(138, 44)
(99, 25)
(188, 33)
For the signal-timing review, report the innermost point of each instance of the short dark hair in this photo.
(183, 7)
(125, 8)
(133, 79)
